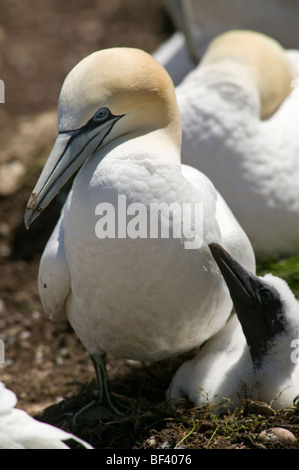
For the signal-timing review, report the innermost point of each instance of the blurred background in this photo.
(40, 41)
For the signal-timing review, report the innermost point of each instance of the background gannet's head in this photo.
(266, 307)
(109, 94)
(256, 57)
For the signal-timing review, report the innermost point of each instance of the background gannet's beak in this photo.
(258, 305)
(70, 151)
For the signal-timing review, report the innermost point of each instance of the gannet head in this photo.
(265, 306)
(253, 57)
(109, 94)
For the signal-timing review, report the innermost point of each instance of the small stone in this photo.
(25, 334)
(282, 435)
(258, 407)
(36, 314)
(151, 442)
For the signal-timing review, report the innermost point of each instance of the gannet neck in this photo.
(128, 82)
(253, 57)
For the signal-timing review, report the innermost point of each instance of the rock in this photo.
(151, 442)
(282, 435)
(257, 407)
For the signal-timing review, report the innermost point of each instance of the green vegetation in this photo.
(286, 268)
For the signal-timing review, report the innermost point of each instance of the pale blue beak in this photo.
(70, 151)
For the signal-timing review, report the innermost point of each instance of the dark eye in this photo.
(101, 115)
(265, 296)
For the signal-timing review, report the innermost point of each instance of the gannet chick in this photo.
(256, 354)
(18, 430)
(240, 118)
(126, 288)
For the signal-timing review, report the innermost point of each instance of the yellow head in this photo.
(262, 57)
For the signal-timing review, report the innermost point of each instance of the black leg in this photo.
(105, 397)
(106, 406)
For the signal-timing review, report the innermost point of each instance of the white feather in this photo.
(18, 430)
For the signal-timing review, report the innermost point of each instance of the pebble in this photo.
(282, 435)
(258, 407)
(151, 442)
(36, 314)
(25, 334)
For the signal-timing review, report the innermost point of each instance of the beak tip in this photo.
(215, 248)
(30, 216)
(27, 218)
(31, 211)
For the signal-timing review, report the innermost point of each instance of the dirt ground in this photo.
(45, 363)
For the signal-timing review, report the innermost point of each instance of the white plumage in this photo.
(139, 298)
(231, 366)
(240, 119)
(18, 430)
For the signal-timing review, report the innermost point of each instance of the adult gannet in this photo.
(137, 296)
(18, 430)
(240, 123)
(256, 354)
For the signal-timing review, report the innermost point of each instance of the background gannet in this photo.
(240, 122)
(253, 356)
(18, 430)
(138, 298)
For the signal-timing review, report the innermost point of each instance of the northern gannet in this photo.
(240, 121)
(18, 430)
(256, 354)
(138, 296)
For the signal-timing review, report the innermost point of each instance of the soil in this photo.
(45, 363)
